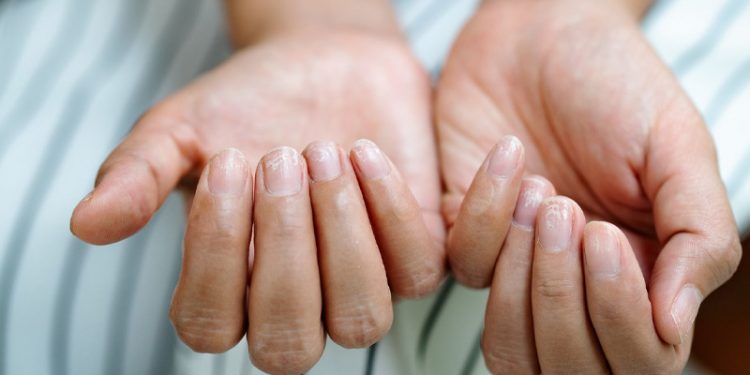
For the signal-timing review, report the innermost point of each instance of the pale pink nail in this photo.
(323, 160)
(602, 252)
(370, 160)
(555, 225)
(282, 172)
(227, 173)
(685, 309)
(529, 199)
(505, 157)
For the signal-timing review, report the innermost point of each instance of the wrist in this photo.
(637, 8)
(630, 8)
(251, 21)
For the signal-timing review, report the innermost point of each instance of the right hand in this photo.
(287, 90)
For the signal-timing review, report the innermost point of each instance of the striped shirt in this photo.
(76, 74)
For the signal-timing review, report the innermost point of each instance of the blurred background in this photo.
(76, 74)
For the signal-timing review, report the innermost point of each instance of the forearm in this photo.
(252, 20)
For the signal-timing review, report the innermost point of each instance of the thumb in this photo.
(694, 222)
(135, 179)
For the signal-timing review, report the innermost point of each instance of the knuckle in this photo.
(470, 270)
(668, 366)
(359, 325)
(556, 290)
(398, 210)
(478, 207)
(723, 258)
(661, 365)
(285, 349)
(505, 359)
(202, 331)
(424, 280)
(729, 256)
(475, 279)
(618, 312)
(289, 223)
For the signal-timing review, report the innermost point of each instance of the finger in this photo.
(358, 307)
(285, 333)
(208, 306)
(619, 308)
(694, 223)
(485, 215)
(565, 340)
(135, 180)
(508, 337)
(413, 260)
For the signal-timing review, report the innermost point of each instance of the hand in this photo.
(608, 124)
(286, 90)
(565, 283)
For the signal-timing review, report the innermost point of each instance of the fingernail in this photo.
(531, 196)
(505, 157)
(370, 160)
(227, 173)
(685, 309)
(323, 160)
(282, 173)
(555, 225)
(602, 252)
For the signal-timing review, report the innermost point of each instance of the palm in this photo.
(584, 109)
(296, 90)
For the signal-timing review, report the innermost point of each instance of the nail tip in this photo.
(228, 172)
(556, 225)
(363, 142)
(685, 309)
(324, 161)
(370, 159)
(279, 175)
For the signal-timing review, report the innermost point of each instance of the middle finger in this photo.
(565, 340)
(358, 308)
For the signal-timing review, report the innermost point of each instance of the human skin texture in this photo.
(340, 76)
(607, 123)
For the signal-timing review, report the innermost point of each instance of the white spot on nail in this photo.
(282, 157)
(556, 213)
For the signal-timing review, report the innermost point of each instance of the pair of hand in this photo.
(599, 115)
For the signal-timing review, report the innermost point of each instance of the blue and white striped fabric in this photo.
(74, 76)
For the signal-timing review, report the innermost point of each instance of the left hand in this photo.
(605, 120)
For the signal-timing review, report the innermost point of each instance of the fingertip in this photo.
(99, 220)
(228, 174)
(602, 250)
(282, 172)
(597, 228)
(370, 162)
(534, 189)
(559, 224)
(506, 158)
(686, 270)
(665, 324)
(325, 161)
(675, 317)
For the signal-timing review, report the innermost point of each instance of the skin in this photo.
(627, 145)
(331, 78)
(341, 76)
